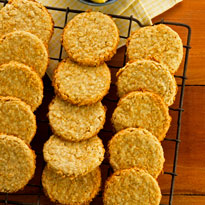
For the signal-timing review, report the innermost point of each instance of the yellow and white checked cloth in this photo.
(143, 10)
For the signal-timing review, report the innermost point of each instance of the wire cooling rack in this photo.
(32, 193)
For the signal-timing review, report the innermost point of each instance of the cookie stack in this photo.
(146, 87)
(76, 114)
(25, 30)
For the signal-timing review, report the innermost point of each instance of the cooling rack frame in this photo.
(180, 109)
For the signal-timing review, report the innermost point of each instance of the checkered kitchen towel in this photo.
(143, 10)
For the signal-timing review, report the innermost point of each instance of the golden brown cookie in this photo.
(75, 123)
(17, 164)
(136, 147)
(81, 85)
(142, 109)
(158, 42)
(19, 80)
(131, 186)
(90, 38)
(17, 119)
(147, 75)
(73, 158)
(26, 15)
(80, 190)
(25, 48)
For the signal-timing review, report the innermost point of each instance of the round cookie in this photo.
(136, 147)
(131, 186)
(17, 119)
(81, 85)
(90, 38)
(25, 48)
(26, 15)
(19, 80)
(80, 190)
(17, 164)
(158, 42)
(75, 123)
(147, 75)
(73, 158)
(142, 109)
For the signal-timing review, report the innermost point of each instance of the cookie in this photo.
(26, 15)
(25, 48)
(81, 85)
(73, 158)
(158, 42)
(80, 190)
(90, 38)
(147, 75)
(19, 80)
(131, 186)
(17, 164)
(136, 147)
(142, 109)
(75, 123)
(17, 119)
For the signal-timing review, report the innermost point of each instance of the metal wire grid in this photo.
(180, 109)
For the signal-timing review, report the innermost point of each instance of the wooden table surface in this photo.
(190, 182)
